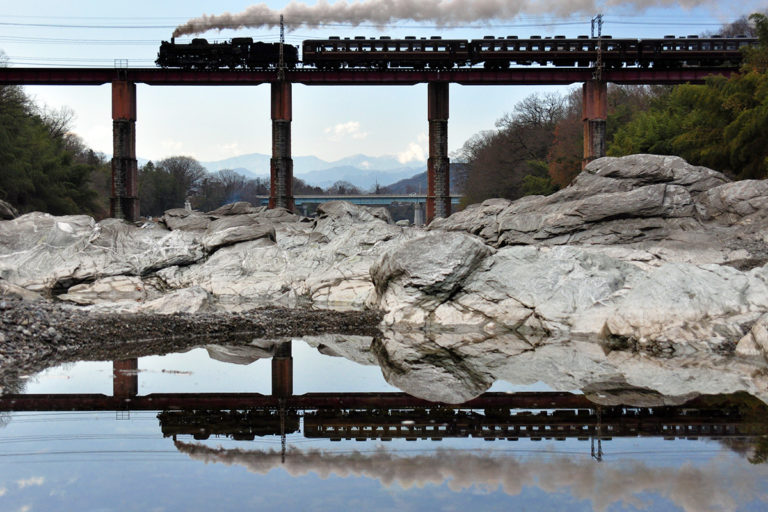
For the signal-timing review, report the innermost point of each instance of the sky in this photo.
(213, 123)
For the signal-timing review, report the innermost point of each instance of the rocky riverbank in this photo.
(640, 255)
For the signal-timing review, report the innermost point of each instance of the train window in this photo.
(442, 48)
(429, 48)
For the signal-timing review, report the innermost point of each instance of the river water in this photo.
(288, 426)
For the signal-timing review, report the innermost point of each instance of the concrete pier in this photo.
(594, 114)
(438, 164)
(281, 164)
(124, 201)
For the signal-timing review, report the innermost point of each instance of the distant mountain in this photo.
(360, 170)
(361, 178)
(418, 184)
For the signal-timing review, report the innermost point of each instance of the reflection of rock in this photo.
(353, 348)
(243, 354)
(613, 394)
(445, 367)
(455, 367)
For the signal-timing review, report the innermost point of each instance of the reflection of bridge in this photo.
(124, 202)
(386, 416)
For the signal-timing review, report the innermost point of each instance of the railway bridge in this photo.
(124, 200)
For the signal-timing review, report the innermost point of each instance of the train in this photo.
(493, 53)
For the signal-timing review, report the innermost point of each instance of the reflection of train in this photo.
(438, 53)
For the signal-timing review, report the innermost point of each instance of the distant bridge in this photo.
(370, 200)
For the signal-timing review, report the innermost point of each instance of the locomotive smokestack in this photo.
(439, 12)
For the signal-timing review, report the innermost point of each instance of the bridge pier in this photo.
(438, 164)
(124, 201)
(125, 383)
(281, 164)
(594, 114)
(282, 371)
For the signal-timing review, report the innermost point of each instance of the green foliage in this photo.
(39, 167)
(721, 125)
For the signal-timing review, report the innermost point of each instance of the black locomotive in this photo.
(437, 53)
(240, 52)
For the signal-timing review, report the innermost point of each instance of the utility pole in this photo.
(598, 21)
(281, 61)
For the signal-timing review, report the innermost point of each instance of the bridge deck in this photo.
(471, 76)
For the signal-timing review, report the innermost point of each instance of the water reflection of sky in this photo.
(119, 461)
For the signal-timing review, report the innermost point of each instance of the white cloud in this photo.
(29, 482)
(416, 152)
(348, 130)
(3, 490)
(172, 146)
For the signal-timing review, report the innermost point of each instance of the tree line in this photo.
(45, 167)
(173, 181)
(537, 148)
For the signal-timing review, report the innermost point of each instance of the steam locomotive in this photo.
(437, 53)
(240, 52)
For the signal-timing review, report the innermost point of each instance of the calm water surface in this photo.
(299, 430)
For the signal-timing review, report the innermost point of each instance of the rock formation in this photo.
(645, 254)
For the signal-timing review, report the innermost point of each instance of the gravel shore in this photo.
(37, 335)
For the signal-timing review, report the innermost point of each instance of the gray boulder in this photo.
(234, 229)
(7, 212)
(633, 200)
(41, 252)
